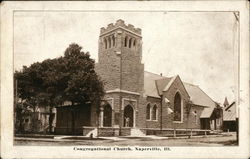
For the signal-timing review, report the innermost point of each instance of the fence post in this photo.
(191, 133)
(205, 133)
(174, 133)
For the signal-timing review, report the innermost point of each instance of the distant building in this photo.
(35, 120)
(137, 101)
(229, 117)
(226, 104)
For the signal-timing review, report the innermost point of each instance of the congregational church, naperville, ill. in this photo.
(137, 102)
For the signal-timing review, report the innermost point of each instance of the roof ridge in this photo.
(170, 83)
(164, 78)
(170, 77)
(207, 95)
(191, 84)
(156, 74)
(230, 106)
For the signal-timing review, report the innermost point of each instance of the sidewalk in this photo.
(56, 138)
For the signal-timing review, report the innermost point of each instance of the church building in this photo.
(138, 102)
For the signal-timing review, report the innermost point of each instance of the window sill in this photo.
(151, 120)
(178, 122)
(154, 120)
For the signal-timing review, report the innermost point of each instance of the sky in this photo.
(198, 46)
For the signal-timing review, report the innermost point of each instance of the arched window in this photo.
(177, 107)
(154, 113)
(105, 43)
(130, 42)
(134, 44)
(125, 41)
(148, 112)
(109, 42)
(113, 40)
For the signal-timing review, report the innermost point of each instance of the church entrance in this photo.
(107, 116)
(128, 116)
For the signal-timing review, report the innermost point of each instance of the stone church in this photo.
(137, 101)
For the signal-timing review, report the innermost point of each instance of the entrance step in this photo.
(93, 132)
(136, 132)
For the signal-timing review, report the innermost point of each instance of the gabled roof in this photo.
(229, 112)
(155, 84)
(161, 84)
(150, 87)
(197, 96)
(200, 98)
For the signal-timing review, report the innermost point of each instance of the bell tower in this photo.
(119, 65)
(120, 54)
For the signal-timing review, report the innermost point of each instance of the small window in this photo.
(195, 117)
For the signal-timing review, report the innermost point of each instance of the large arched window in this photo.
(154, 113)
(148, 112)
(113, 40)
(177, 107)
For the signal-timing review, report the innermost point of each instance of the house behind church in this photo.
(229, 117)
(137, 101)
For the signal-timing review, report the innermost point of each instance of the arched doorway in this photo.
(107, 116)
(128, 116)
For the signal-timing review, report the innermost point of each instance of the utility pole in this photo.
(120, 98)
(162, 100)
(120, 93)
(236, 54)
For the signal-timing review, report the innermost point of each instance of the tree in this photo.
(68, 78)
(83, 85)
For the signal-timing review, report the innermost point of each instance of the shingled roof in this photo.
(154, 85)
(150, 87)
(229, 112)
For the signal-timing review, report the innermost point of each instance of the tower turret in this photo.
(120, 53)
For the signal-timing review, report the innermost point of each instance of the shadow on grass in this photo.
(226, 143)
(84, 138)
